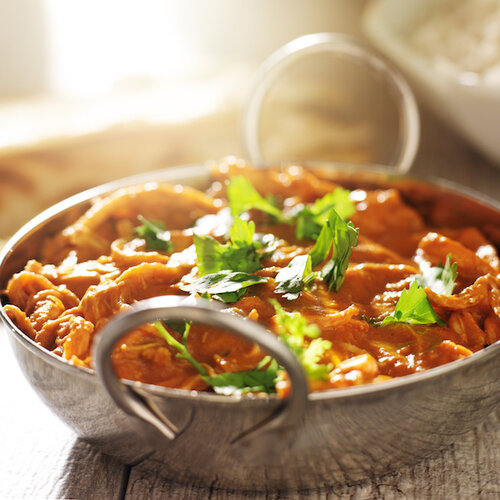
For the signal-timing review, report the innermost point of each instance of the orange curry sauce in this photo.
(96, 267)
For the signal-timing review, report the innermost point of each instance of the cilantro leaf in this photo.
(180, 347)
(259, 380)
(262, 379)
(344, 238)
(336, 234)
(312, 218)
(227, 286)
(341, 236)
(440, 279)
(238, 255)
(209, 254)
(241, 233)
(293, 330)
(153, 232)
(321, 248)
(414, 308)
(294, 277)
(311, 357)
(243, 197)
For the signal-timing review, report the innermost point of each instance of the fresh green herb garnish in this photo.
(336, 233)
(262, 379)
(227, 286)
(241, 253)
(294, 277)
(440, 279)
(293, 330)
(341, 236)
(180, 346)
(312, 218)
(238, 255)
(243, 197)
(153, 232)
(241, 233)
(414, 308)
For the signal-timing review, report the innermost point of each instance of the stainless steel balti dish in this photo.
(305, 440)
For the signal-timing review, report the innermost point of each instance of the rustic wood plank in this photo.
(468, 469)
(41, 457)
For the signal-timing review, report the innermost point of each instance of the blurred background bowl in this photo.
(450, 51)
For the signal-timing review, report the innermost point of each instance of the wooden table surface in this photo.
(42, 458)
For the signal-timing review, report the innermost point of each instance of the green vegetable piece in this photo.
(414, 308)
(321, 248)
(293, 330)
(293, 278)
(440, 279)
(238, 255)
(153, 232)
(180, 347)
(341, 236)
(209, 254)
(243, 197)
(344, 238)
(338, 200)
(241, 233)
(311, 357)
(262, 379)
(312, 218)
(227, 286)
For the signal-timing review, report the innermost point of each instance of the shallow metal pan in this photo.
(305, 441)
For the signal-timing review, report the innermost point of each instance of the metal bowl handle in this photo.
(337, 44)
(176, 308)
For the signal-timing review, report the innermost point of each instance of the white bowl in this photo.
(468, 100)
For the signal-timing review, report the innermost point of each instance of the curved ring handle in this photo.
(339, 44)
(182, 308)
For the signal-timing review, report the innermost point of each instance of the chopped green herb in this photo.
(262, 379)
(414, 308)
(321, 248)
(440, 279)
(293, 330)
(181, 347)
(243, 197)
(293, 278)
(341, 236)
(227, 286)
(313, 217)
(241, 233)
(153, 232)
(181, 327)
(238, 255)
(311, 358)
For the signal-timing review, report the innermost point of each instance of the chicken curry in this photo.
(360, 284)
